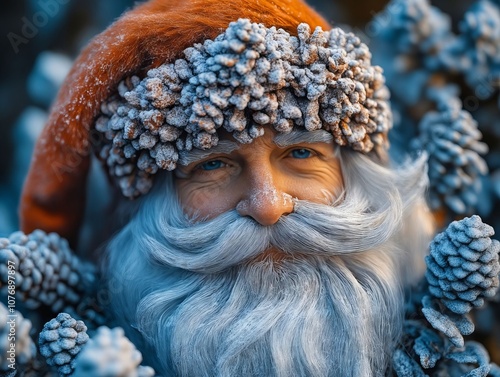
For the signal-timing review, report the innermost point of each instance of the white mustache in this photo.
(370, 213)
(230, 239)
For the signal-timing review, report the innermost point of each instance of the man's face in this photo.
(260, 179)
(215, 302)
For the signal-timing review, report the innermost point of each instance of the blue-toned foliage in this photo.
(427, 346)
(405, 366)
(413, 41)
(473, 353)
(414, 27)
(451, 138)
(475, 53)
(462, 270)
(421, 56)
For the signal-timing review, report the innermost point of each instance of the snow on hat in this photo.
(153, 34)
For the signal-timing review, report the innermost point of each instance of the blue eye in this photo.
(211, 165)
(301, 153)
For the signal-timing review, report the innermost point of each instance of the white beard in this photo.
(204, 304)
(299, 317)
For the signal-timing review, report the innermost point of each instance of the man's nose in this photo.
(264, 200)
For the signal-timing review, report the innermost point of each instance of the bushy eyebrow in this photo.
(281, 140)
(299, 136)
(224, 147)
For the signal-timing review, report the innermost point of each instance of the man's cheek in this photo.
(323, 186)
(207, 200)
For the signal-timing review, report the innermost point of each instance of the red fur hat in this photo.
(156, 32)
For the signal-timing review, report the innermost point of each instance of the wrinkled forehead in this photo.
(228, 144)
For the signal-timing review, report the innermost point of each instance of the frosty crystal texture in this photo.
(47, 271)
(451, 138)
(463, 265)
(418, 49)
(462, 269)
(427, 346)
(248, 77)
(405, 366)
(414, 26)
(473, 353)
(452, 325)
(110, 353)
(476, 51)
(61, 340)
(441, 350)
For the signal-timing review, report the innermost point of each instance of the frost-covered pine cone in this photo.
(61, 340)
(463, 265)
(47, 271)
(472, 360)
(110, 353)
(476, 52)
(25, 349)
(451, 138)
(414, 26)
(405, 366)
